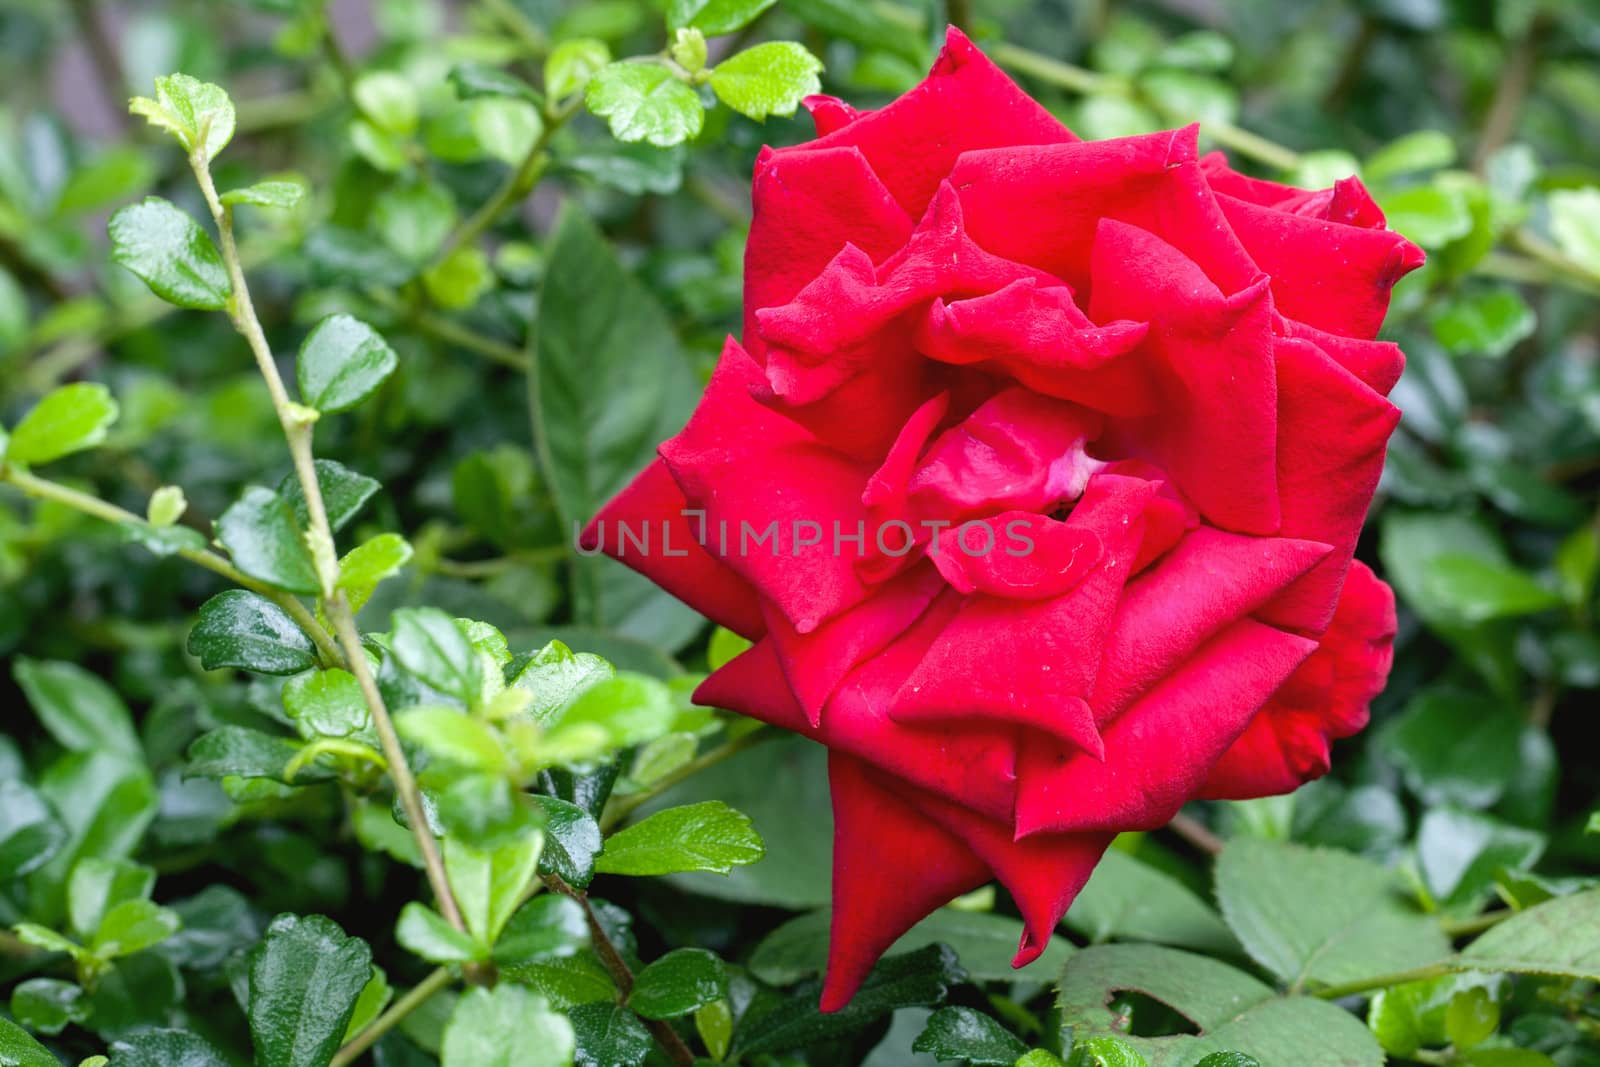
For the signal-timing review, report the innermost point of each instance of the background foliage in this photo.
(497, 267)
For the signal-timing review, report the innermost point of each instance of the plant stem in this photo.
(1475, 925)
(1509, 93)
(518, 25)
(417, 996)
(442, 329)
(620, 808)
(1193, 831)
(1384, 981)
(297, 422)
(516, 185)
(77, 500)
(663, 1032)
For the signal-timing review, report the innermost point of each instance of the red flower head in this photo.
(1036, 485)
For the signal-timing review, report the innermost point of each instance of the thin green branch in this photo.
(1384, 981)
(449, 331)
(77, 500)
(1475, 925)
(620, 808)
(297, 422)
(414, 998)
(617, 967)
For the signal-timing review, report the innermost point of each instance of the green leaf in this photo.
(369, 563)
(305, 976)
(132, 926)
(113, 175)
(769, 79)
(106, 802)
(69, 419)
(238, 751)
(709, 836)
(1228, 1059)
(282, 193)
(241, 629)
(260, 534)
(678, 983)
(1233, 1011)
(80, 711)
(375, 996)
(473, 80)
(1127, 900)
(1414, 153)
(1456, 747)
(1317, 916)
(964, 1034)
(485, 811)
(545, 928)
(171, 254)
(725, 647)
(1478, 589)
(608, 1035)
(914, 979)
(1459, 854)
(165, 1048)
(30, 833)
(489, 883)
(984, 943)
(1430, 215)
(389, 100)
(1575, 223)
(645, 102)
(48, 1005)
(572, 841)
(571, 64)
(20, 1050)
(1560, 937)
(567, 980)
(506, 129)
(344, 493)
(163, 540)
(1483, 321)
(1104, 1052)
(415, 219)
(555, 675)
(714, 17)
(97, 885)
(1410, 544)
(167, 505)
(435, 648)
(199, 114)
(509, 1027)
(714, 1024)
(342, 362)
(630, 708)
(326, 704)
(423, 931)
(453, 735)
(460, 280)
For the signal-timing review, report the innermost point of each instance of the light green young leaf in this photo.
(369, 563)
(769, 79)
(326, 704)
(453, 735)
(97, 885)
(436, 649)
(171, 254)
(389, 100)
(508, 1027)
(571, 64)
(709, 836)
(714, 17)
(423, 931)
(489, 883)
(199, 114)
(167, 505)
(133, 926)
(69, 419)
(278, 193)
(1575, 222)
(645, 102)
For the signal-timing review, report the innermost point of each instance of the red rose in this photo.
(1147, 384)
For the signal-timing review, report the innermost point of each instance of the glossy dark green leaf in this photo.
(68, 419)
(1228, 1059)
(645, 102)
(572, 841)
(240, 752)
(342, 362)
(30, 832)
(965, 1034)
(166, 1048)
(920, 978)
(279, 193)
(608, 1035)
(709, 836)
(678, 983)
(1105, 1052)
(260, 533)
(545, 928)
(171, 254)
(556, 675)
(478, 79)
(241, 629)
(305, 976)
(344, 493)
